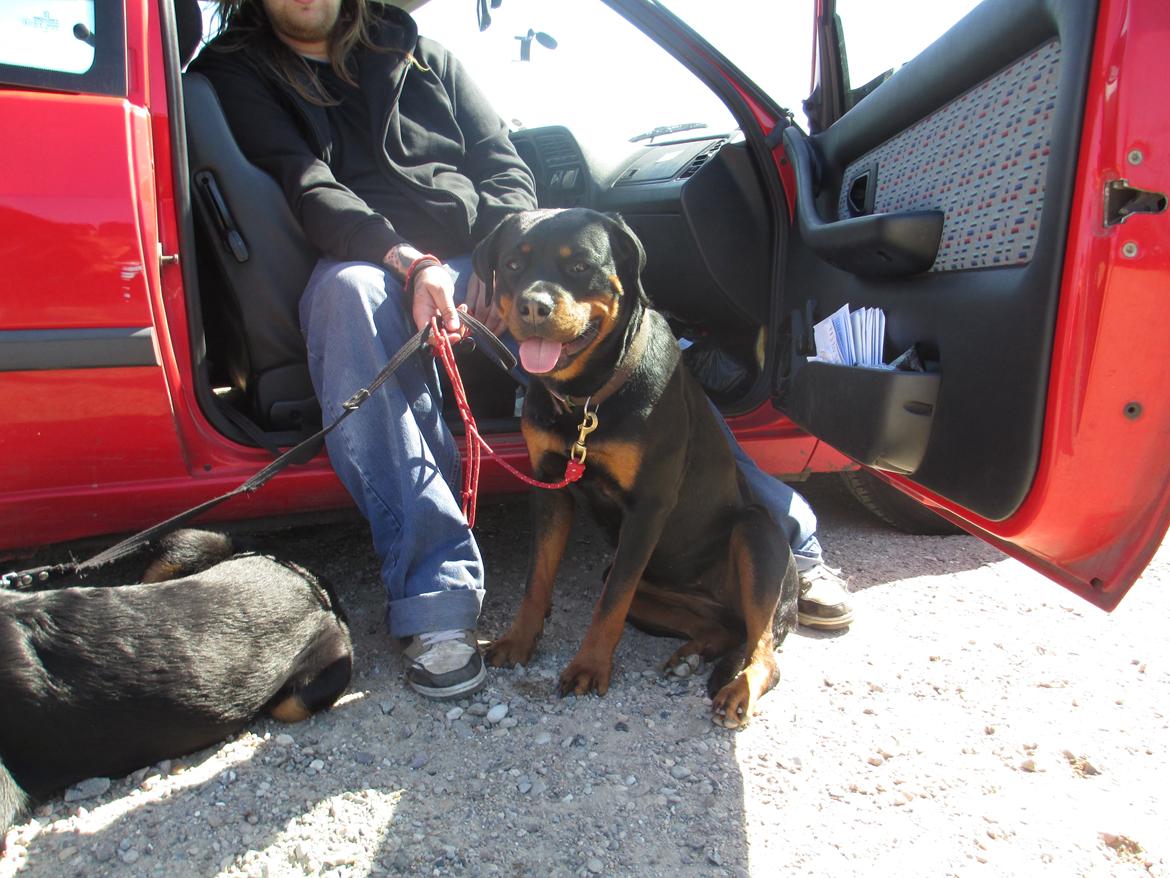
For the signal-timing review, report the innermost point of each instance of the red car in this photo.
(1001, 197)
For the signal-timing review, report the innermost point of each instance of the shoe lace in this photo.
(441, 646)
(822, 571)
(433, 638)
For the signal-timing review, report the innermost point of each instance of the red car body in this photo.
(88, 237)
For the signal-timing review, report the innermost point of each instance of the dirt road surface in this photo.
(976, 720)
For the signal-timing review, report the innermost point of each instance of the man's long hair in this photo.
(244, 24)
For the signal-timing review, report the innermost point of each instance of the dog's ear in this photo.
(628, 253)
(485, 257)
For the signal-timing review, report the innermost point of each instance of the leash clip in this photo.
(357, 399)
(588, 425)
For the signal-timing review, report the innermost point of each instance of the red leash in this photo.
(574, 468)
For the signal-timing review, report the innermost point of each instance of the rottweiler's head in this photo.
(567, 282)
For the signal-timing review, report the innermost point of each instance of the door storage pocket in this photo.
(879, 417)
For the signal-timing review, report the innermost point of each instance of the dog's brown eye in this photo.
(578, 267)
(512, 265)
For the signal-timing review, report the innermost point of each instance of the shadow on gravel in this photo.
(387, 783)
(871, 553)
(638, 782)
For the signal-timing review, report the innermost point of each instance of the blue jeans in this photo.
(400, 463)
(394, 455)
(788, 509)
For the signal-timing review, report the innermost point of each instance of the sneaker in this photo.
(444, 664)
(824, 599)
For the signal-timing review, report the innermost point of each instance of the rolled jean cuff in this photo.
(808, 555)
(456, 608)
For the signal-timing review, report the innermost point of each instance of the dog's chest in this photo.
(612, 462)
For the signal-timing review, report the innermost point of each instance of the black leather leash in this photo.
(301, 453)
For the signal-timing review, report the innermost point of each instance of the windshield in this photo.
(771, 42)
(604, 80)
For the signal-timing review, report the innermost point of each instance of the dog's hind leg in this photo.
(185, 552)
(322, 675)
(762, 568)
(697, 618)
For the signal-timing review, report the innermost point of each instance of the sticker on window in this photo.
(55, 35)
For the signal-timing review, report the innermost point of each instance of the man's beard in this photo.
(306, 29)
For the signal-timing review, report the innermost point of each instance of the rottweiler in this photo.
(100, 681)
(694, 557)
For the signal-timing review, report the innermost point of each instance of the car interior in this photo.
(696, 203)
(940, 194)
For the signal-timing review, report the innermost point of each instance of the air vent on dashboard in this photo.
(556, 149)
(701, 159)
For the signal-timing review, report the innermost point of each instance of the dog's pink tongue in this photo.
(539, 354)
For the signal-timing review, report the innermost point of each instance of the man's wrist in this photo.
(423, 262)
(399, 258)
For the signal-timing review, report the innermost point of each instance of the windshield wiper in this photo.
(668, 129)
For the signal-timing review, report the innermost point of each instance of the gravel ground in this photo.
(976, 720)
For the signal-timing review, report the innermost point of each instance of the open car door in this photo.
(1002, 198)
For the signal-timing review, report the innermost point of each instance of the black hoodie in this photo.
(445, 150)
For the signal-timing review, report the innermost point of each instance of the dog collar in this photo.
(567, 402)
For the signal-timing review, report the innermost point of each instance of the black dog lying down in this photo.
(102, 681)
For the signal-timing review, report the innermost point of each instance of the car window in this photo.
(771, 42)
(47, 34)
(875, 44)
(604, 80)
(65, 44)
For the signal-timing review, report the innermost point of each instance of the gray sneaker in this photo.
(824, 599)
(444, 664)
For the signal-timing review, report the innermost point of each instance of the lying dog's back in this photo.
(101, 681)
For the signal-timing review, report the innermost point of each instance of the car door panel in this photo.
(986, 127)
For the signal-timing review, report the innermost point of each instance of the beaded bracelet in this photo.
(422, 262)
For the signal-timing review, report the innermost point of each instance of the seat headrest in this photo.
(189, 24)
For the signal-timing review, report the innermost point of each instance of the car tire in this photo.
(895, 508)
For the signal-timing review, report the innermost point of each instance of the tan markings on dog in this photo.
(525, 248)
(290, 710)
(613, 308)
(565, 251)
(615, 284)
(160, 571)
(605, 310)
(541, 442)
(621, 460)
(504, 305)
(736, 701)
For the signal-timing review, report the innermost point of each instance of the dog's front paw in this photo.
(733, 705)
(514, 648)
(585, 674)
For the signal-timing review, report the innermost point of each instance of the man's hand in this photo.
(478, 307)
(433, 297)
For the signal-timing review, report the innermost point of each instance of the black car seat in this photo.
(253, 248)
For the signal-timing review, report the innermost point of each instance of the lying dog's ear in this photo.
(628, 252)
(485, 257)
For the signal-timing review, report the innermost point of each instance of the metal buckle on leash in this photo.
(357, 399)
(588, 424)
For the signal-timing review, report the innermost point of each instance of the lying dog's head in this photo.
(567, 283)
